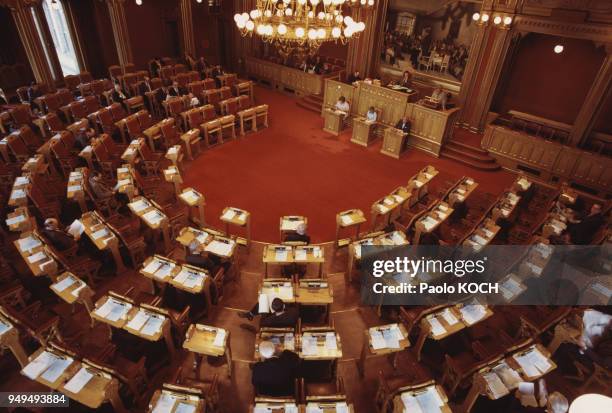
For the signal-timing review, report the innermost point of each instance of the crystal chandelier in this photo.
(302, 22)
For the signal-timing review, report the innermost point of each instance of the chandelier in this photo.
(302, 22)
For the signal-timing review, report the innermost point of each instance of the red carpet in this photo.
(294, 168)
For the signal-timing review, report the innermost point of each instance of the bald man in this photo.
(59, 239)
(275, 374)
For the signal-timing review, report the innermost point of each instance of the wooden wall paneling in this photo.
(392, 103)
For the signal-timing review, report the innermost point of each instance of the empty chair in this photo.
(91, 104)
(117, 111)
(71, 82)
(129, 68)
(209, 84)
(65, 97)
(78, 110)
(52, 124)
(21, 114)
(52, 102)
(144, 119)
(225, 92)
(85, 77)
(17, 147)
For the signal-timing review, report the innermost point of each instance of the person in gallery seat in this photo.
(582, 231)
(354, 77)
(406, 80)
(118, 95)
(299, 235)
(404, 125)
(280, 316)
(342, 105)
(174, 90)
(59, 239)
(276, 374)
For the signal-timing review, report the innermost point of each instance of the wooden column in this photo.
(592, 105)
(363, 52)
(485, 70)
(32, 43)
(187, 27)
(466, 95)
(116, 11)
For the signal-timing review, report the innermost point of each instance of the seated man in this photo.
(299, 235)
(99, 188)
(582, 231)
(118, 95)
(197, 257)
(406, 80)
(371, 115)
(439, 95)
(275, 375)
(59, 239)
(354, 77)
(342, 105)
(281, 316)
(404, 125)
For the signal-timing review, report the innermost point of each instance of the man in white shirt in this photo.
(371, 116)
(342, 105)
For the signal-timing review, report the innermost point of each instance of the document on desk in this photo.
(77, 291)
(449, 317)
(56, 369)
(78, 381)
(382, 209)
(411, 404)
(508, 375)
(430, 400)
(124, 182)
(74, 188)
(4, 327)
(313, 408)
(39, 256)
(154, 217)
(15, 220)
(229, 214)
(496, 386)
(300, 254)
(35, 367)
(193, 280)
(100, 234)
(164, 270)
(153, 325)
(21, 180)
(185, 408)
(264, 303)
(473, 313)
(164, 404)
(291, 408)
(346, 220)
(309, 345)
(377, 339)
(281, 254)
(330, 341)
(152, 266)
(138, 320)
(397, 238)
(437, 329)
(219, 338)
(28, 243)
(527, 364)
(219, 248)
(65, 283)
(392, 337)
(429, 223)
(140, 205)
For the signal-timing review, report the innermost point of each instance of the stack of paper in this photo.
(533, 362)
(219, 338)
(140, 205)
(330, 341)
(65, 283)
(219, 248)
(300, 254)
(113, 310)
(152, 266)
(281, 254)
(437, 329)
(309, 345)
(185, 408)
(4, 327)
(378, 340)
(382, 209)
(508, 375)
(510, 288)
(78, 381)
(496, 386)
(290, 224)
(15, 220)
(154, 217)
(392, 337)
(229, 214)
(472, 313)
(153, 325)
(29, 243)
(164, 404)
(346, 220)
(429, 223)
(449, 317)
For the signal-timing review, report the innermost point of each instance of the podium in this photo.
(333, 121)
(362, 132)
(393, 143)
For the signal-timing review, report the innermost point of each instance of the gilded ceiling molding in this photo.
(589, 31)
(592, 6)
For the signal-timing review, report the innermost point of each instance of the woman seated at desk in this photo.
(371, 115)
(440, 98)
(342, 105)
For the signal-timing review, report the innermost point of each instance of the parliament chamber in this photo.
(192, 193)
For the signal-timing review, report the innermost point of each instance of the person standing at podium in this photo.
(404, 125)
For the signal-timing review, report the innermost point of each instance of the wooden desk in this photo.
(153, 217)
(191, 140)
(403, 401)
(363, 131)
(418, 184)
(290, 223)
(277, 255)
(275, 288)
(505, 207)
(73, 290)
(394, 142)
(347, 219)
(320, 344)
(194, 199)
(9, 338)
(175, 155)
(430, 128)
(333, 121)
(309, 254)
(76, 187)
(39, 259)
(19, 192)
(501, 377)
(283, 339)
(132, 151)
(19, 220)
(383, 340)
(327, 406)
(448, 321)
(100, 386)
(389, 206)
(240, 218)
(173, 176)
(102, 236)
(461, 192)
(172, 399)
(314, 292)
(432, 220)
(511, 287)
(206, 340)
(482, 235)
(395, 238)
(275, 406)
(160, 269)
(125, 181)
(87, 154)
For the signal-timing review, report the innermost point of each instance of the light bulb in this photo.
(348, 20)
(361, 26)
(240, 24)
(558, 49)
(336, 32)
(312, 34)
(282, 29)
(321, 15)
(299, 32)
(314, 2)
(245, 17)
(237, 17)
(507, 20)
(138, 3)
(497, 20)
(370, 2)
(321, 33)
(249, 25)
(484, 18)
(339, 18)
(311, 14)
(289, 12)
(476, 16)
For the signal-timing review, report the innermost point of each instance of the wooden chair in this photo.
(144, 119)
(207, 388)
(151, 161)
(17, 147)
(115, 71)
(169, 132)
(212, 133)
(104, 161)
(225, 92)
(105, 121)
(78, 110)
(129, 68)
(71, 82)
(132, 241)
(117, 111)
(91, 104)
(64, 158)
(191, 141)
(85, 77)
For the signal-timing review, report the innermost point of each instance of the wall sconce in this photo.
(497, 20)
(507, 21)
(476, 16)
(558, 48)
(484, 18)
(139, 2)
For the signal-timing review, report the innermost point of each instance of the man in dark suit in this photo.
(354, 77)
(118, 94)
(59, 239)
(275, 375)
(281, 315)
(404, 125)
(197, 257)
(581, 232)
(299, 235)
(174, 90)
